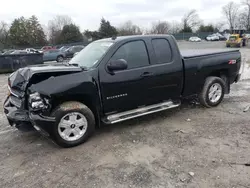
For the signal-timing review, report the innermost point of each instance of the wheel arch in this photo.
(224, 75)
(91, 102)
(203, 96)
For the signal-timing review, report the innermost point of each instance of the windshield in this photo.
(63, 48)
(232, 38)
(91, 54)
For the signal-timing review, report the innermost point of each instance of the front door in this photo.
(125, 90)
(149, 79)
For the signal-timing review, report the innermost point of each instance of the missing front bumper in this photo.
(21, 118)
(14, 114)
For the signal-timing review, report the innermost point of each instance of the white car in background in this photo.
(213, 37)
(195, 39)
(75, 54)
(32, 50)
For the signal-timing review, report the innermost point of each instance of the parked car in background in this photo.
(227, 35)
(53, 55)
(32, 50)
(63, 48)
(72, 50)
(19, 52)
(195, 39)
(247, 36)
(8, 52)
(221, 37)
(46, 48)
(235, 40)
(213, 37)
(75, 54)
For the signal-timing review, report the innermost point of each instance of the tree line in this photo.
(26, 32)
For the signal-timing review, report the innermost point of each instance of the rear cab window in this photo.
(134, 52)
(163, 51)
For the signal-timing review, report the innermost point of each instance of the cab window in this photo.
(135, 53)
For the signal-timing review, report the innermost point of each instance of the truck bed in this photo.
(199, 64)
(186, 54)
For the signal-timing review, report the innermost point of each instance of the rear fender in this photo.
(224, 75)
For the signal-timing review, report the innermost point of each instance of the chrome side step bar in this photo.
(119, 117)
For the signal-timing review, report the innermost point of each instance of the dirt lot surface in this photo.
(186, 147)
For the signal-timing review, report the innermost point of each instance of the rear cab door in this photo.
(166, 66)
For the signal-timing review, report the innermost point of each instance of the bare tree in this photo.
(191, 21)
(4, 32)
(160, 27)
(46, 31)
(59, 21)
(245, 15)
(56, 25)
(128, 28)
(231, 13)
(175, 27)
(219, 25)
(242, 21)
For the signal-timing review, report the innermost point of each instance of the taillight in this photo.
(231, 62)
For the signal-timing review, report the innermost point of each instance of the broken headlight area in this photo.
(37, 102)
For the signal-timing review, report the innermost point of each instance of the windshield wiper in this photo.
(83, 68)
(77, 65)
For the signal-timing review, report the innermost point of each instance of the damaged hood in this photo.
(65, 85)
(20, 78)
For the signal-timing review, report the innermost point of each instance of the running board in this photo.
(119, 117)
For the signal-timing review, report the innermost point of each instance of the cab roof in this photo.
(120, 38)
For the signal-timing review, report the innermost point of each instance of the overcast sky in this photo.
(87, 13)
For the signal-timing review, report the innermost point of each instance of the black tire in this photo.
(204, 94)
(59, 58)
(67, 108)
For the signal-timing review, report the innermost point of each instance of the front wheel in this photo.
(213, 92)
(59, 59)
(74, 124)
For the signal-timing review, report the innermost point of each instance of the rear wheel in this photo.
(213, 92)
(75, 122)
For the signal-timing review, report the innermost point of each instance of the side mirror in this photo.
(116, 65)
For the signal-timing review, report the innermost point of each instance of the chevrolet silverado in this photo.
(113, 80)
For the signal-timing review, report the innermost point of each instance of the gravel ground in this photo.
(186, 147)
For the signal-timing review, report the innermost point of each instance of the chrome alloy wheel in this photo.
(72, 126)
(215, 93)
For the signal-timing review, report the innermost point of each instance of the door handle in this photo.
(147, 74)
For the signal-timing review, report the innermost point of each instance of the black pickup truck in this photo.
(113, 80)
